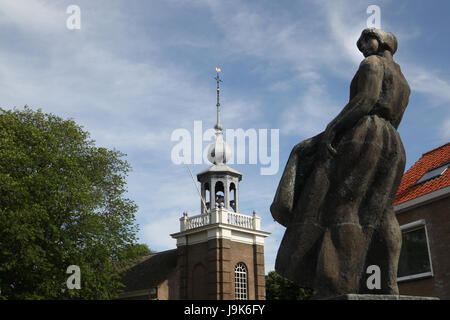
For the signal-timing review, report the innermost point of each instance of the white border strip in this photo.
(415, 276)
(440, 193)
(411, 227)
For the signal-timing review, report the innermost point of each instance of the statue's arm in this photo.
(369, 84)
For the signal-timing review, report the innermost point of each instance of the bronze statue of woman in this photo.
(337, 191)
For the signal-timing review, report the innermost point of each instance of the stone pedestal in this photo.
(377, 297)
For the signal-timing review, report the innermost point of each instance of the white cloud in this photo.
(254, 32)
(131, 138)
(345, 21)
(272, 244)
(445, 128)
(311, 114)
(163, 194)
(429, 83)
(157, 233)
(34, 15)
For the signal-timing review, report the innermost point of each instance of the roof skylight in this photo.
(433, 173)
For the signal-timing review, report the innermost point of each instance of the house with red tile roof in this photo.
(422, 207)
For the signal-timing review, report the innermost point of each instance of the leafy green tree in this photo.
(135, 251)
(61, 203)
(280, 288)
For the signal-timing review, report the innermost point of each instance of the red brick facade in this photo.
(437, 222)
(206, 270)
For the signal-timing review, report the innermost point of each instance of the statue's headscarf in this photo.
(386, 39)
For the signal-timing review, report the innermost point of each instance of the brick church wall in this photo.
(206, 270)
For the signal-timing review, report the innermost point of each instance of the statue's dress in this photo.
(338, 210)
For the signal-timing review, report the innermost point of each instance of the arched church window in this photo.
(240, 281)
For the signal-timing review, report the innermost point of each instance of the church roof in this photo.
(151, 271)
(428, 174)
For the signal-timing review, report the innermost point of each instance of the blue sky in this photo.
(138, 70)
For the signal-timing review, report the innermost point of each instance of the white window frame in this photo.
(412, 226)
(241, 294)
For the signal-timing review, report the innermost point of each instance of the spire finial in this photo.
(218, 125)
(218, 152)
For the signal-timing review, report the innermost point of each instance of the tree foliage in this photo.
(61, 203)
(135, 251)
(280, 288)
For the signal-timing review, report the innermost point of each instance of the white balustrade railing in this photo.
(220, 215)
(240, 220)
(197, 221)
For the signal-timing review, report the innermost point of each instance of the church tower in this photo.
(220, 250)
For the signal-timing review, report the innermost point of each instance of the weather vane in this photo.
(218, 126)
